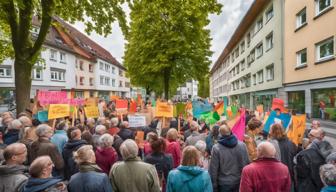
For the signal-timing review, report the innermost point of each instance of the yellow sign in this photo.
(91, 102)
(91, 111)
(164, 109)
(296, 131)
(58, 110)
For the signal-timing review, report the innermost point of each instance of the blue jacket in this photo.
(329, 189)
(89, 181)
(59, 139)
(11, 136)
(189, 178)
(36, 184)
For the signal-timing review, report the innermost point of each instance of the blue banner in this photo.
(42, 116)
(200, 107)
(283, 118)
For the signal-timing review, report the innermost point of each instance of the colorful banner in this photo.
(296, 131)
(210, 118)
(58, 110)
(52, 97)
(136, 121)
(220, 108)
(225, 101)
(133, 107)
(42, 116)
(76, 101)
(283, 118)
(91, 102)
(181, 109)
(114, 97)
(163, 109)
(200, 107)
(91, 111)
(239, 128)
(121, 104)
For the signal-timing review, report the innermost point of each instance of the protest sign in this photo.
(283, 118)
(91, 111)
(220, 108)
(139, 138)
(42, 116)
(76, 101)
(136, 121)
(133, 107)
(239, 128)
(296, 131)
(163, 109)
(121, 104)
(199, 107)
(91, 102)
(52, 97)
(114, 97)
(58, 111)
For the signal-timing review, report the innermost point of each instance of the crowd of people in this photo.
(104, 155)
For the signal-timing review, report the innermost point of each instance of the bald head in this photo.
(15, 153)
(266, 150)
(316, 134)
(224, 130)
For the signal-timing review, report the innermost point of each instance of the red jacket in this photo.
(105, 158)
(265, 175)
(173, 148)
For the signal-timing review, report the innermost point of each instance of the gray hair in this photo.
(129, 149)
(331, 158)
(101, 120)
(106, 140)
(90, 120)
(15, 124)
(328, 174)
(26, 121)
(201, 146)
(114, 122)
(42, 130)
(194, 126)
(100, 129)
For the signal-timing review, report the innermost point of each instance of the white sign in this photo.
(136, 120)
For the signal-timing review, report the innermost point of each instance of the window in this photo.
(81, 67)
(58, 40)
(248, 80)
(248, 39)
(269, 41)
(260, 76)
(121, 84)
(269, 13)
(237, 69)
(301, 58)
(270, 72)
(113, 82)
(37, 73)
(127, 84)
(101, 65)
(322, 5)
(242, 63)
(325, 49)
(57, 75)
(81, 80)
(254, 79)
(237, 52)
(232, 57)
(259, 25)
(242, 47)
(91, 81)
(301, 18)
(259, 50)
(120, 73)
(62, 57)
(53, 55)
(90, 67)
(6, 71)
(107, 81)
(252, 56)
(113, 70)
(102, 80)
(107, 67)
(76, 61)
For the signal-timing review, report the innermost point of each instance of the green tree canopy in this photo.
(168, 42)
(16, 22)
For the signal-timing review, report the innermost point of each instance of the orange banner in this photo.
(296, 131)
(163, 109)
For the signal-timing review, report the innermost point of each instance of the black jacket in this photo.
(126, 134)
(70, 166)
(288, 151)
(163, 163)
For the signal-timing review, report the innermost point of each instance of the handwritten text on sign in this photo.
(164, 110)
(136, 121)
(52, 97)
(58, 111)
(91, 111)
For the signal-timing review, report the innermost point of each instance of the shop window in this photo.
(296, 101)
(324, 105)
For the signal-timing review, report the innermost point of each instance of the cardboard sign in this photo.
(139, 138)
(91, 111)
(296, 132)
(121, 104)
(52, 97)
(91, 102)
(42, 116)
(163, 109)
(58, 111)
(136, 120)
(76, 101)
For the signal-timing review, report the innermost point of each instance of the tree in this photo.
(168, 43)
(17, 16)
(203, 88)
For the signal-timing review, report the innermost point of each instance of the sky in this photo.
(221, 26)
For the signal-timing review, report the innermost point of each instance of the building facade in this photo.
(188, 90)
(249, 70)
(310, 66)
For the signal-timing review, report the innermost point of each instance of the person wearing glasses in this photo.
(12, 172)
(41, 179)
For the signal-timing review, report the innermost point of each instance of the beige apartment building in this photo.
(310, 65)
(249, 70)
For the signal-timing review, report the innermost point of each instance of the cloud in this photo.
(221, 26)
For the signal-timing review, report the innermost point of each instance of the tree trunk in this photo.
(166, 77)
(22, 84)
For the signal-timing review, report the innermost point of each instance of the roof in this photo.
(240, 31)
(86, 43)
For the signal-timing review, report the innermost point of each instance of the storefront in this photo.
(323, 103)
(296, 101)
(264, 98)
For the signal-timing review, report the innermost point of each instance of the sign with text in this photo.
(163, 109)
(136, 120)
(42, 116)
(52, 97)
(91, 111)
(76, 101)
(91, 101)
(58, 111)
(121, 104)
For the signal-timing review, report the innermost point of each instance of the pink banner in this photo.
(239, 128)
(52, 97)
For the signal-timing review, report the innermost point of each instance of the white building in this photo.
(188, 90)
